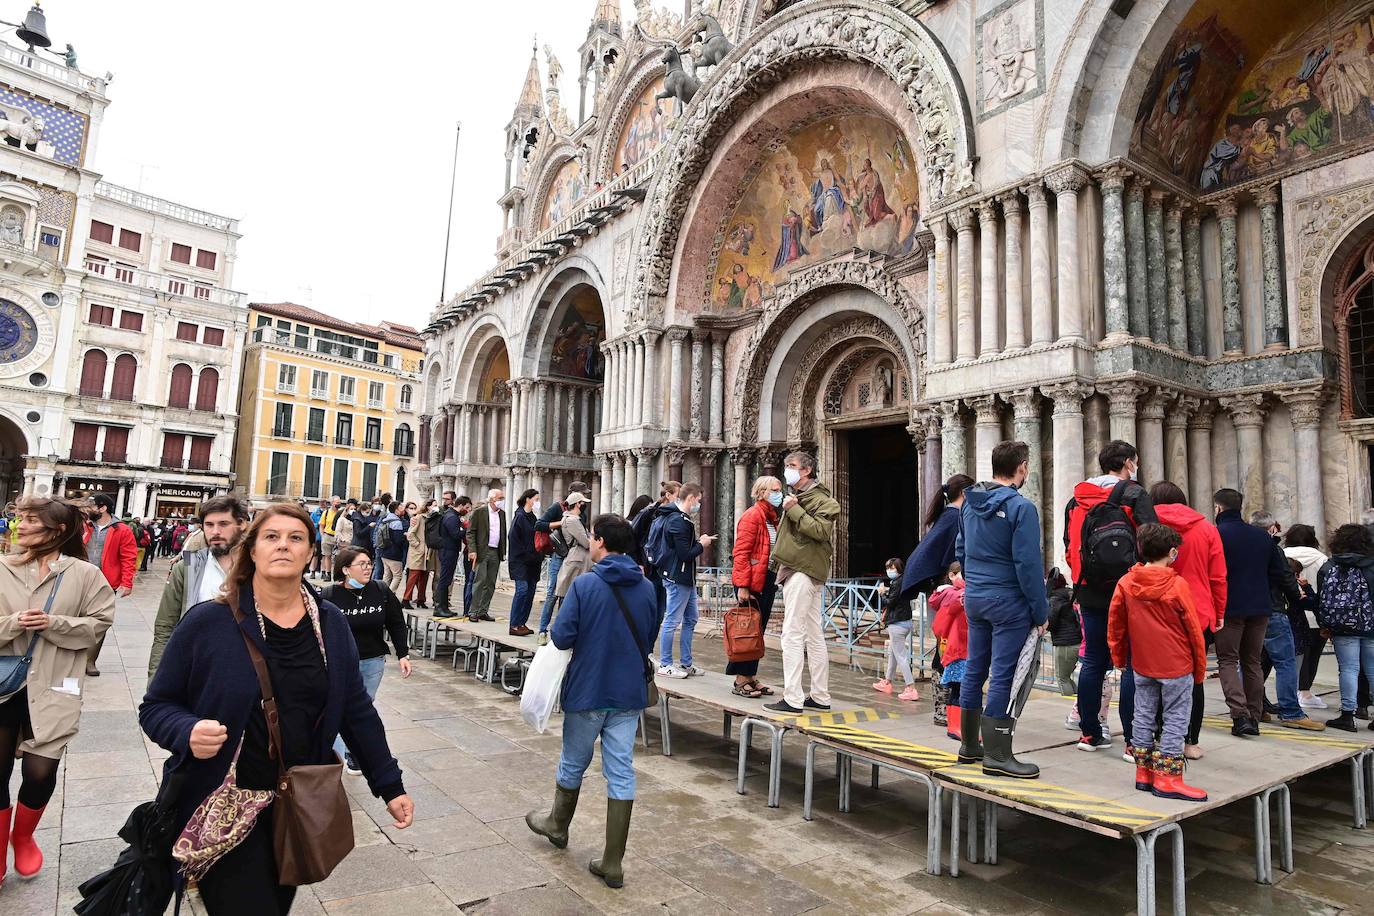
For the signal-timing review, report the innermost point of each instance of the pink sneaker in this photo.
(883, 686)
(909, 694)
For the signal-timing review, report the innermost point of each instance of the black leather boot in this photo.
(970, 748)
(998, 759)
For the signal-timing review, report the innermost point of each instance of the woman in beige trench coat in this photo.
(39, 720)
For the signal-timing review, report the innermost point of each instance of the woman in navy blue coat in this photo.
(204, 706)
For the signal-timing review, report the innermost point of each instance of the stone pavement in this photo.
(696, 847)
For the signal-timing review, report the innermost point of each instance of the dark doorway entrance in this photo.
(884, 510)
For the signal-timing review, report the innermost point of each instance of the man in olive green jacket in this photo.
(802, 557)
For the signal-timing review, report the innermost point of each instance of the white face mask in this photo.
(535, 507)
(792, 476)
(500, 505)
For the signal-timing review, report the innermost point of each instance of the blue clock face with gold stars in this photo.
(18, 332)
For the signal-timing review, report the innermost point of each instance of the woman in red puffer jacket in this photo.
(755, 535)
(1202, 564)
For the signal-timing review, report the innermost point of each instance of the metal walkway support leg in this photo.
(973, 830)
(1358, 801)
(808, 794)
(726, 731)
(665, 726)
(1264, 861)
(844, 765)
(775, 767)
(935, 827)
(990, 832)
(1145, 871)
(954, 819)
(873, 778)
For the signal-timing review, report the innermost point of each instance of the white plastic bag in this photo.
(543, 684)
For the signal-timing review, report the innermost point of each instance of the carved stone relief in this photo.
(1011, 66)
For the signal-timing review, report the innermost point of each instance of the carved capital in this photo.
(677, 335)
(961, 220)
(1122, 397)
(1180, 412)
(1011, 205)
(1246, 410)
(1305, 406)
(1155, 405)
(674, 455)
(708, 455)
(950, 414)
(646, 453)
(986, 410)
(619, 458)
(1174, 212)
(1267, 196)
(1157, 198)
(743, 455)
(987, 214)
(1225, 207)
(1068, 397)
(1035, 195)
(1113, 179)
(650, 336)
(1135, 191)
(536, 471)
(1068, 179)
(606, 462)
(939, 227)
(1025, 403)
(1203, 416)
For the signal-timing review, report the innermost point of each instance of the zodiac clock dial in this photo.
(18, 332)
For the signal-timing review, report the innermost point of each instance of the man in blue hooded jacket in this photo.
(1004, 598)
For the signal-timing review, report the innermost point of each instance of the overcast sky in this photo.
(326, 127)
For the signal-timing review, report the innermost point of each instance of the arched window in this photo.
(93, 373)
(404, 441)
(407, 397)
(207, 389)
(400, 490)
(1355, 333)
(180, 395)
(125, 377)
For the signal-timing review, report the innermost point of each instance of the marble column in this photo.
(462, 434)
(742, 459)
(962, 221)
(518, 480)
(708, 457)
(1176, 441)
(987, 433)
(523, 433)
(1151, 445)
(608, 421)
(989, 306)
(560, 418)
(676, 339)
(698, 385)
(953, 439)
(941, 339)
(717, 388)
(1065, 183)
(1177, 295)
(1200, 488)
(541, 417)
(1247, 413)
(1137, 282)
(1271, 258)
(1025, 405)
(589, 396)
(673, 458)
(1233, 334)
(1157, 277)
(1192, 283)
(652, 397)
(1042, 299)
(1122, 397)
(1114, 270)
(644, 468)
(607, 482)
(931, 468)
(1014, 301)
(618, 482)
(512, 430)
(448, 433)
(1067, 422)
(1305, 407)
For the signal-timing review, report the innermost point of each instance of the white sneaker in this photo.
(673, 671)
(693, 671)
(1311, 701)
(1071, 721)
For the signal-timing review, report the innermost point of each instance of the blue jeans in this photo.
(371, 670)
(617, 728)
(555, 564)
(523, 602)
(1352, 654)
(1278, 642)
(1097, 661)
(682, 609)
(997, 630)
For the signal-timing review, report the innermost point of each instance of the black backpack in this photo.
(1107, 542)
(434, 530)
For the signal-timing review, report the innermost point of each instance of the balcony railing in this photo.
(32, 61)
(163, 207)
(372, 446)
(375, 404)
(343, 442)
(627, 179)
(286, 387)
(139, 278)
(321, 394)
(349, 398)
(281, 432)
(405, 450)
(316, 437)
(324, 347)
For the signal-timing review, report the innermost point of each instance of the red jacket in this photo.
(1201, 561)
(1152, 620)
(752, 547)
(950, 623)
(119, 557)
(1136, 503)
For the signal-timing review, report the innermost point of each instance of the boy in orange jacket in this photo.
(1152, 628)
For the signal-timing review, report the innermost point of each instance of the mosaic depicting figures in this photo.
(576, 349)
(646, 129)
(565, 192)
(492, 387)
(841, 183)
(1231, 101)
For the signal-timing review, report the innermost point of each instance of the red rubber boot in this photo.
(5, 814)
(1144, 774)
(952, 723)
(28, 858)
(1168, 780)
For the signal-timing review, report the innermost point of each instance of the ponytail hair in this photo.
(950, 491)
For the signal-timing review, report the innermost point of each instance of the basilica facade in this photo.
(895, 233)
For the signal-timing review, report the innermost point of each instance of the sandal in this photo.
(763, 691)
(747, 691)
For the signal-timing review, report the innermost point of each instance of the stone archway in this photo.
(13, 448)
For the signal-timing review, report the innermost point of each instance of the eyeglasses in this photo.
(360, 564)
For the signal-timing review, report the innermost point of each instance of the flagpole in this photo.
(448, 233)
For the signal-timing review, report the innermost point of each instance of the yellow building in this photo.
(326, 407)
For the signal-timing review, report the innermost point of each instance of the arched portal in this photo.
(13, 447)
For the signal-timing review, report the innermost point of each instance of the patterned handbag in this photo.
(219, 823)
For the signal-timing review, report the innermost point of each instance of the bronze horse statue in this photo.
(715, 47)
(678, 83)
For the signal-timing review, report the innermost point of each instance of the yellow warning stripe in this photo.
(863, 739)
(1301, 736)
(1055, 798)
(847, 717)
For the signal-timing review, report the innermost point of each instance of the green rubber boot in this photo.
(608, 867)
(970, 747)
(554, 825)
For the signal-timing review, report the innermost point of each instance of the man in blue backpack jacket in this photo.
(1004, 598)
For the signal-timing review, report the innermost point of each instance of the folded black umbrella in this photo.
(143, 877)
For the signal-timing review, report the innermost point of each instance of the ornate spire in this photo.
(531, 96)
(608, 15)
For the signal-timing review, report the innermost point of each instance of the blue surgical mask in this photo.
(354, 583)
(892, 573)
(696, 508)
(775, 498)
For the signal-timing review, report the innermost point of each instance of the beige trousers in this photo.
(394, 575)
(803, 640)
